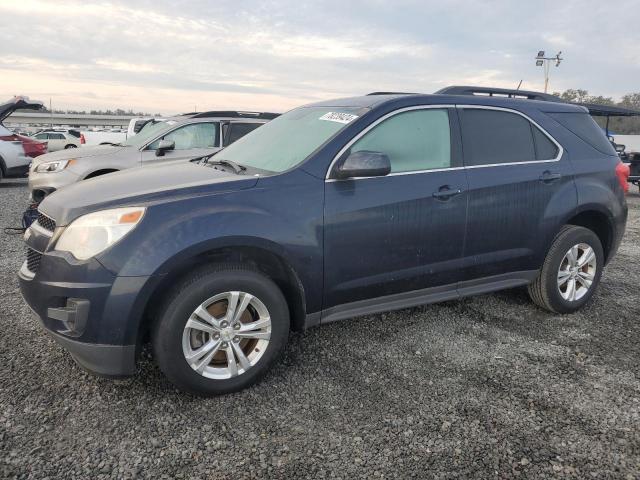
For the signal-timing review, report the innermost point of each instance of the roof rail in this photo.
(498, 92)
(390, 93)
(236, 114)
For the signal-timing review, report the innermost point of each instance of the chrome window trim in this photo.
(465, 167)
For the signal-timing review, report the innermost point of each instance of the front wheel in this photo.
(221, 330)
(571, 271)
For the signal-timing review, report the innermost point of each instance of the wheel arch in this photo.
(600, 223)
(263, 260)
(97, 173)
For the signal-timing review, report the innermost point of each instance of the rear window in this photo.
(494, 137)
(587, 129)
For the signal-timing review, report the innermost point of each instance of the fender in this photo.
(173, 233)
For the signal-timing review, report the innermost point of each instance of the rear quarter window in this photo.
(583, 126)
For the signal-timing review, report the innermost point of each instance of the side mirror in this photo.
(164, 146)
(619, 147)
(364, 164)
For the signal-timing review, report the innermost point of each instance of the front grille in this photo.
(33, 260)
(46, 222)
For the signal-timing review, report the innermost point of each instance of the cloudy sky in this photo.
(172, 56)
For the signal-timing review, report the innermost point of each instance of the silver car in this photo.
(178, 138)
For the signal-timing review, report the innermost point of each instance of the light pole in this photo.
(545, 62)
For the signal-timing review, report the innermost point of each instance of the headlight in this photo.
(93, 233)
(55, 166)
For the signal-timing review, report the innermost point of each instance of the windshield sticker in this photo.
(338, 117)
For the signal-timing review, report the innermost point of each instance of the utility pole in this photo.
(545, 62)
(51, 112)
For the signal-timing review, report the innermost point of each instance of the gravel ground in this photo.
(485, 387)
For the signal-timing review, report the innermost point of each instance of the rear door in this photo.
(405, 231)
(191, 141)
(518, 175)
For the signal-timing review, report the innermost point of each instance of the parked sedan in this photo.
(180, 138)
(58, 140)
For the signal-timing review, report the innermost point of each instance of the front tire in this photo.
(220, 330)
(571, 271)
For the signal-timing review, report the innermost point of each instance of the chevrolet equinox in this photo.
(330, 211)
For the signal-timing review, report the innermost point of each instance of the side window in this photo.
(545, 148)
(196, 135)
(42, 136)
(492, 136)
(137, 126)
(56, 136)
(413, 141)
(236, 131)
(583, 125)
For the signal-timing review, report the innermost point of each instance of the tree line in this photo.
(117, 111)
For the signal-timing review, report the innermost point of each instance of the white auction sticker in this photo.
(338, 117)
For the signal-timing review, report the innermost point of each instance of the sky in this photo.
(176, 56)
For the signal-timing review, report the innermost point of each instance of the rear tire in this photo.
(71, 145)
(571, 271)
(205, 347)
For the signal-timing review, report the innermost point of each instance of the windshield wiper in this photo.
(227, 163)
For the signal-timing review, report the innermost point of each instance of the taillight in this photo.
(622, 172)
(82, 140)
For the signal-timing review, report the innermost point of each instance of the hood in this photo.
(18, 103)
(82, 152)
(139, 187)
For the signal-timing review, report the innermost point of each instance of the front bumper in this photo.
(99, 359)
(90, 312)
(42, 184)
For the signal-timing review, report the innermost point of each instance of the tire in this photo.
(71, 145)
(546, 290)
(173, 340)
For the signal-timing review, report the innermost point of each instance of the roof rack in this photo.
(390, 93)
(236, 114)
(498, 92)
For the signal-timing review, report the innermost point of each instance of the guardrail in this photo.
(71, 119)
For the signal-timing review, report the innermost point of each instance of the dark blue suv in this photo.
(333, 210)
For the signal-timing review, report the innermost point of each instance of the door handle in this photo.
(445, 192)
(548, 177)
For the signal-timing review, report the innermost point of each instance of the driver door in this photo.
(190, 141)
(403, 232)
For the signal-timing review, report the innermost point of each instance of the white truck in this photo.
(116, 135)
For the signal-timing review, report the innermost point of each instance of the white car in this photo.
(58, 140)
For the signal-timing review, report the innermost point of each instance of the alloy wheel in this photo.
(226, 335)
(577, 272)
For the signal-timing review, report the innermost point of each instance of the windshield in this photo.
(286, 141)
(149, 132)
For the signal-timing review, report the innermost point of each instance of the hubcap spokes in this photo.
(577, 272)
(226, 335)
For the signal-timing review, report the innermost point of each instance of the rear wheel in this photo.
(221, 330)
(571, 271)
(71, 145)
